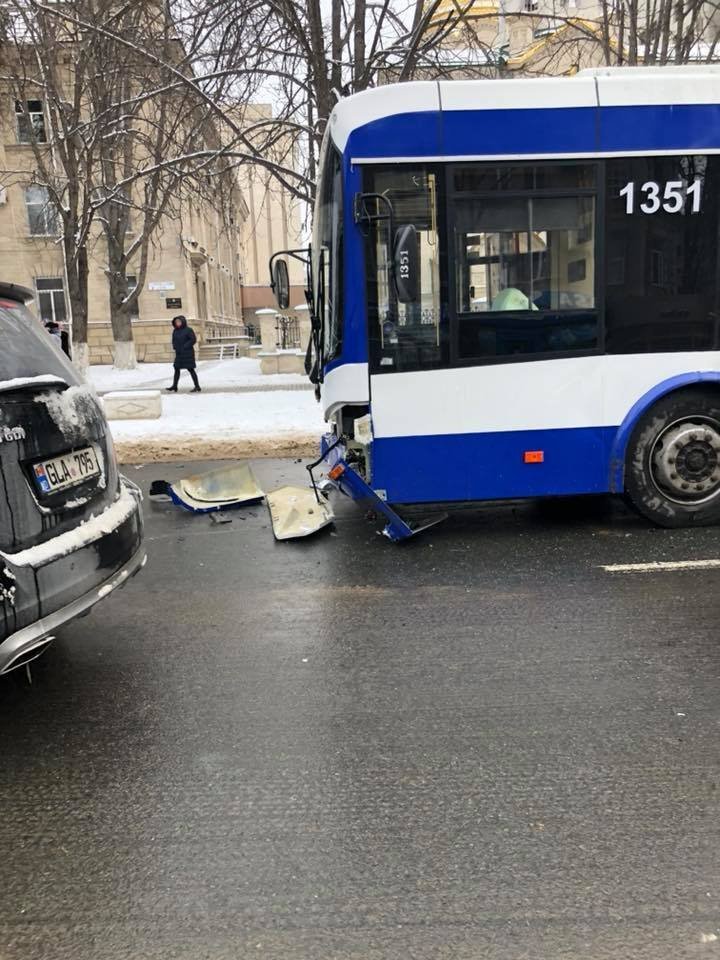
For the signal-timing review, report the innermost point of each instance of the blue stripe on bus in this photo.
(558, 130)
(490, 466)
(392, 136)
(660, 127)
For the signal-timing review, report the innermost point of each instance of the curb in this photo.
(172, 449)
(251, 388)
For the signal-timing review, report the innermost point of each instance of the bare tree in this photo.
(302, 58)
(623, 33)
(157, 147)
(158, 103)
(128, 135)
(37, 66)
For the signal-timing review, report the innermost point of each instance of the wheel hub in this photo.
(686, 460)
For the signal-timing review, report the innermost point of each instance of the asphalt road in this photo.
(477, 745)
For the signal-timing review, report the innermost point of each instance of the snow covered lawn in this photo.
(213, 374)
(223, 426)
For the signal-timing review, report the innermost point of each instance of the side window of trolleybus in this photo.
(328, 257)
(662, 276)
(406, 335)
(524, 242)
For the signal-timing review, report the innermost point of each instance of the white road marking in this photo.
(660, 565)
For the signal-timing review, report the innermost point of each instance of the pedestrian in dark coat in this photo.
(65, 341)
(183, 341)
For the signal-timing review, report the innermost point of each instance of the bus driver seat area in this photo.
(511, 298)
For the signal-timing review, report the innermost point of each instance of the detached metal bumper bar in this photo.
(29, 642)
(347, 480)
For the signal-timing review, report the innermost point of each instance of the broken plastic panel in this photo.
(221, 489)
(298, 512)
(348, 481)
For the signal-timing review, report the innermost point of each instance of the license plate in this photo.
(66, 471)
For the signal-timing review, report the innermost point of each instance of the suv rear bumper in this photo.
(118, 549)
(26, 644)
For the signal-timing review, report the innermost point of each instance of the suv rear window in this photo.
(26, 350)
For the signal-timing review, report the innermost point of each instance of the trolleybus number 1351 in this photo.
(671, 199)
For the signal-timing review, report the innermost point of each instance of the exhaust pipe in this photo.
(27, 655)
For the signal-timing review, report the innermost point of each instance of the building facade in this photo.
(274, 222)
(194, 260)
(559, 37)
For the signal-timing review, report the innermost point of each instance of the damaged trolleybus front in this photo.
(514, 291)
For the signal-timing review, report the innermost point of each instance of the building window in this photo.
(42, 216)
(131, 284)
(30, 121)
(51, 299)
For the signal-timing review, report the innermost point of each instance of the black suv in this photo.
(70, 525)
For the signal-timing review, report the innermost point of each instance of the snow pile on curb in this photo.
(223, 426)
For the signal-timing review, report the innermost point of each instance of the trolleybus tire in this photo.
(672, 466)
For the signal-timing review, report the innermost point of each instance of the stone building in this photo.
(274, 222)
(505, 38)
(194, 262)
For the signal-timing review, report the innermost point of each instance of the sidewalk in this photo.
(239, 414)
(241, 375)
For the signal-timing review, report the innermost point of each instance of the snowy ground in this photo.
(241, 413)
(243, 373)
(223, 426)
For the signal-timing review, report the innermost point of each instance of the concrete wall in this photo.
(153, 338)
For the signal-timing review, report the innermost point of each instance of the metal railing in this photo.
(219, 351)
(252, 332)
(287, 333)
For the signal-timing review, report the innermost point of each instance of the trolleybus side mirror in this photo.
(281, 283)
(406, 263)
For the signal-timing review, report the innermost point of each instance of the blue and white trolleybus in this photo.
(515, 292)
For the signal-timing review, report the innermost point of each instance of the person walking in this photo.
(65, 341)
(183, 341)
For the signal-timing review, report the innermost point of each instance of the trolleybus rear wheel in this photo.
(672, 469)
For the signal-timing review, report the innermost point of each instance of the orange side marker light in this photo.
(534, 456)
